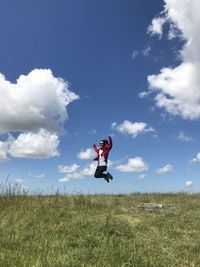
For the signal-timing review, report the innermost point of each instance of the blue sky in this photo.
(75, 72)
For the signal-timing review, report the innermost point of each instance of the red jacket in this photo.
(106, 150)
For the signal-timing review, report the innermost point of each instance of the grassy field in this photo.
(99, 230)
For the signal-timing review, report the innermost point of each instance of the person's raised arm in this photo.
(110, 142)
(95, 148)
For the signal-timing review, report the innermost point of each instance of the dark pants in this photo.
(99, 172)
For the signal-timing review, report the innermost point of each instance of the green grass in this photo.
(99, 230)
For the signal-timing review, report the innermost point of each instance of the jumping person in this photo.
(102, 158)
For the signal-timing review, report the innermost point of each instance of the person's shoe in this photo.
(107, 179)
(109, 176)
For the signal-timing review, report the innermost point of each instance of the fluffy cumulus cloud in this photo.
(38, 145)
(35, 145)
(3, 151)
(72, 173)
(37, 100)
(130, 128)
(156, 26)
(188, 184)
(183, 137)
(87, 154)
(178, 89)
(136, 164)
(166, 169)
(143, 94)
(35, 108)
(197, 158)
(68, 169)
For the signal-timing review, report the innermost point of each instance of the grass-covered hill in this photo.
(100, 230)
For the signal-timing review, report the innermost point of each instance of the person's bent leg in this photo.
(109, 176)
(99, 172)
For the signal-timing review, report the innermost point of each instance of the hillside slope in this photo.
(100, 230)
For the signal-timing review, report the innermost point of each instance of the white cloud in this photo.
(134, 54)
(81, 174)
(87, 154)
(110, 163)
(3, 151)
(19, 181)
(92, 131)
(178, 89)
(141, 176)
(136, 164)
(35, 145)
(156, 27)
(166, 169)
(68, 169)
(70, 176)
(144, 94)
(188, 184)
(89, 170)
(146, 51)
(36, 175)
(183, 137)
(197, 159)
(37, 100)
(131, 128)
(35, 107)
(173, 32)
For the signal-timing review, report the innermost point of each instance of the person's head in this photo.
(103, 143)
